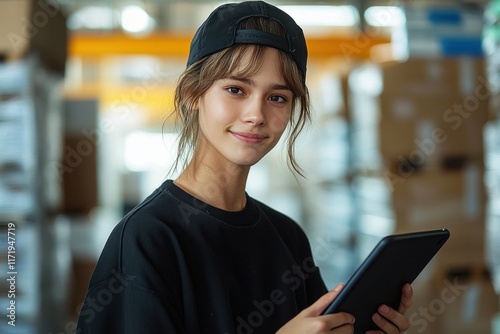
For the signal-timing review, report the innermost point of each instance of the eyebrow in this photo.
(250, 82)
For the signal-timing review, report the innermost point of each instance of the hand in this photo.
(311, 321)
(391, 321)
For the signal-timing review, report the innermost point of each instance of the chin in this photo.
(247, 157)
(246, 162)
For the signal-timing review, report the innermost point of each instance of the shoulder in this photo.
(142, 242)
(285, 226)
(280, 219)
(161, 214)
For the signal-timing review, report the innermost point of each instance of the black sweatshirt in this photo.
(177, 265)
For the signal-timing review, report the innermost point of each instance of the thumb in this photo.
(320, 305)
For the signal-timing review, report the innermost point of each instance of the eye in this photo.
(234, 90)
(278, 98)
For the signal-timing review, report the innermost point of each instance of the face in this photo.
(242, 118)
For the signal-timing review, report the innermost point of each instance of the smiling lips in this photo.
(249, 137)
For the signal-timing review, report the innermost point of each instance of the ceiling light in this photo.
(134, 20)
(385, 16)
(93, 17)
(323, 15)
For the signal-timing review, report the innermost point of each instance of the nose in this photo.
(254, 112)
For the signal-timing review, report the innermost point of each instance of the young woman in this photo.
(199, 255)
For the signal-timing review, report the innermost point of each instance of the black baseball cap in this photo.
(220, 31)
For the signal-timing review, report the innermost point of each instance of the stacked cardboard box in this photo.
(492, 134)
(432, 112)
(492, 147)
(34, 27)
(427, 117)
(33, 57)
(454, 304)
(491, 44)
(417, 126)
(78, 166)
(424, 118)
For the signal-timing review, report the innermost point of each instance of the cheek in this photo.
(214, 115)
(280, 121)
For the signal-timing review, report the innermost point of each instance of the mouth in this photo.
(249, 137)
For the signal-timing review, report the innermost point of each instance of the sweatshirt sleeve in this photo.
(119, 305)
(141, 283)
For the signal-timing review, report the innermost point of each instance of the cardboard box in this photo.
(434, 108)
(78, 168)
(461, 305)
(50, 35)
(79, 175)
(14, 27)
(455, 200)
(37, 26)
(455, 80)
(81, 270)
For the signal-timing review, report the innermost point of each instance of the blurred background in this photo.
(405, 137)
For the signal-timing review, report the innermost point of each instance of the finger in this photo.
(390, 321)
(341, 320)
(406, 299)
(344, 329)
(320, 305)
(384, 324)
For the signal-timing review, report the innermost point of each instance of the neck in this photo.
(220, 186)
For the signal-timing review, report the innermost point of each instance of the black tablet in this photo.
(396, 260)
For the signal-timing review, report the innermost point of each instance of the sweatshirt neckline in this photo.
(245, 217)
